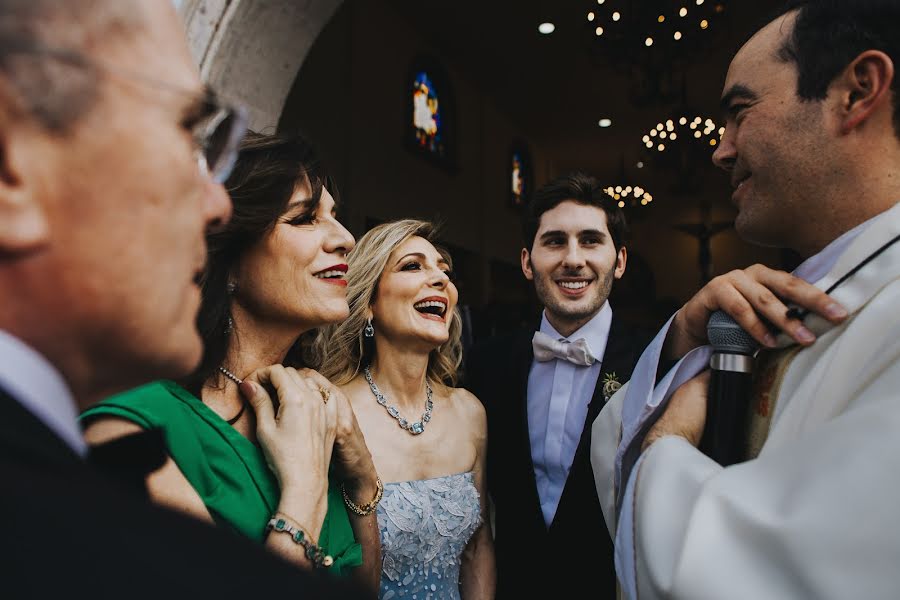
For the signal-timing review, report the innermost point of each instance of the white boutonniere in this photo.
(611, 385)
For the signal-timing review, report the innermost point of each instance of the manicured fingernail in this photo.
(835, 311)
(769, 340)
(804, 335)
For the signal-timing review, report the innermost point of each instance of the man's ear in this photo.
(621, 259)
(24, 225)
(526, 265)
(864, 88)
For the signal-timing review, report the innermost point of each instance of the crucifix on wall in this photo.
(704, 232)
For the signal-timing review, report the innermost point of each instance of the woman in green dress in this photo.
(257, 444)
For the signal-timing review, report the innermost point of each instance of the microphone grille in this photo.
(727, 337)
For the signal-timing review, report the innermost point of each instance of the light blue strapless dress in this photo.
(424, 527)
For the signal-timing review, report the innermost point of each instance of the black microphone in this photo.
(728, 404)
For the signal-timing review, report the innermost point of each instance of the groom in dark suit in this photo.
(110, 156)
(542, 389)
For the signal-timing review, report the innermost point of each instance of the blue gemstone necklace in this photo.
(413, 428)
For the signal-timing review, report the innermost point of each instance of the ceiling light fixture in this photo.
(629, 195)
(644, 22)
(604, 122)
(546, 28)
(702, 129)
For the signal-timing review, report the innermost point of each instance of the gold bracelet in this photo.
(365, 509)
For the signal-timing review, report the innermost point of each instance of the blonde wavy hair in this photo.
(340, 350)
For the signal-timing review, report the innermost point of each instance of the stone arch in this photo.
(251, 50)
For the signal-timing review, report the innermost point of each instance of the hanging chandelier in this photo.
(629, 195)
(683, 144)
(652, 42)
(683, 129)
(653, 25)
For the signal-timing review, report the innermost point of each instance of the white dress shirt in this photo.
(31, 380)
(559, 393)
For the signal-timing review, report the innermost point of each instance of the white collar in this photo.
(29, 378)
(843, 255)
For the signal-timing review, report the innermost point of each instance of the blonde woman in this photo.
(395, 358)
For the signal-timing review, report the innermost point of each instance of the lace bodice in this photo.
(424, 528)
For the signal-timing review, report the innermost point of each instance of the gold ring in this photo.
(326, 394)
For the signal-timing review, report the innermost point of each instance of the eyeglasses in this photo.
(217, 127)
(218, 133)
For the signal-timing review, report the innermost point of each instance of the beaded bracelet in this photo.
(365, 509)
(313, 552)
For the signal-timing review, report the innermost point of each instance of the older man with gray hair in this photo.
(111, 158)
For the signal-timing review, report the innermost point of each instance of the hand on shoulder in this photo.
(351, 454)
(296, 432)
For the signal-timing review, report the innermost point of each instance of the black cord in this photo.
(796, 312)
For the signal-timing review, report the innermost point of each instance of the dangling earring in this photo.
(368, 330)
(230, 288)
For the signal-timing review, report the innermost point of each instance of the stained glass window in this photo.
(427, 115)
(520, 175)
(518, 179)
(430, 123)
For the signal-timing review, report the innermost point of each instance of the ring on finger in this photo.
(326, 394)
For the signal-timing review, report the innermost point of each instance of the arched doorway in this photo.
(251, 50)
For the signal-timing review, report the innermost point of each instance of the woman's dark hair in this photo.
(829, 34)
(267, 172)
(577, 187)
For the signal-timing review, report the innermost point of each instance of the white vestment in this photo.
(815, 515)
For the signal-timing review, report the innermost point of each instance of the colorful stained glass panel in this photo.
(426, 115)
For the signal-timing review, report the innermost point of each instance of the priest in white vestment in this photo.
(813, 511)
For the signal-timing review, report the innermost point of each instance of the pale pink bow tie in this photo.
(546, 348)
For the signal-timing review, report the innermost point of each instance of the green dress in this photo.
(227, 470)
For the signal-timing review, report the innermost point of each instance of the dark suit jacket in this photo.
(532, 560)
(68, 531)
